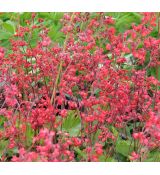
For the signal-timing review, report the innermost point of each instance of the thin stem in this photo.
(60, 66)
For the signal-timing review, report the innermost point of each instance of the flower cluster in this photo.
(98, 75)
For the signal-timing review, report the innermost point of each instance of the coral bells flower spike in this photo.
(46, 41)
(1, 52)
(134, 156)
(108, 47)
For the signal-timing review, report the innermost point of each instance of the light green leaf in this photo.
(124, 147)
(9, 27)
(72, 124)
(5, 35)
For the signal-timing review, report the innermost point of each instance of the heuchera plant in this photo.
(90, 99)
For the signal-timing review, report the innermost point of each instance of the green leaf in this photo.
(154, 156)
(95, 136)
(124, 20)
(9, 26)
(5, 35)
(55, 33)
(34, 38)
(4, 43)
(72, 124)
(110, 159)
(124, 147)
(2, 121)
(29, 135)
(80, 153)
(97, 91)
(23, 17)
(114, 131)
(3, 145)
